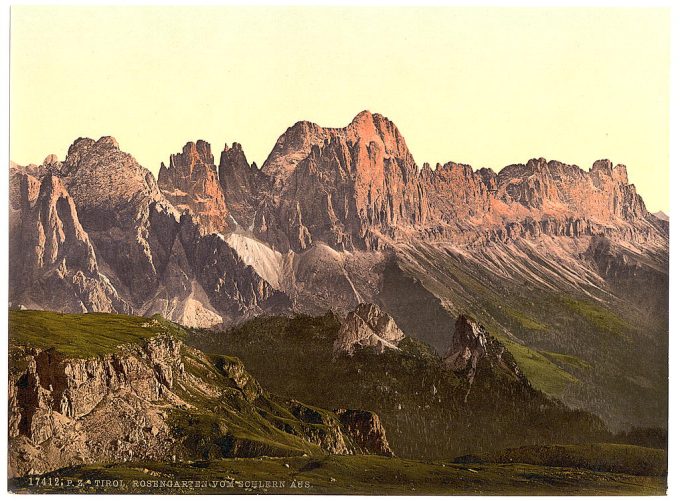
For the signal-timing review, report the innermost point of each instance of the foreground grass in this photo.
(345, 475)
(612, 458)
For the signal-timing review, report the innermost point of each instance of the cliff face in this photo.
(190, 182)
(143, 255)
(602, 194)
(53, 261)
(473, 349)
(71, 411)
(116, 199)
(352, 189)
(335, 218)
(358, 188)
(366, 431)
(367, 327)
(243, 185)
(160, 400)
(346, 187)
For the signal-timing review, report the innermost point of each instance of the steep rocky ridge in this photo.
(244, 185)
(154, 399)
(358, 188)
(545, 254)
(154, 256)
(190, 182)
(54, 265)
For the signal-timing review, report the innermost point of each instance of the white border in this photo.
(674, 369)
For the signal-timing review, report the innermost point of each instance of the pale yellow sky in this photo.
(484, 86)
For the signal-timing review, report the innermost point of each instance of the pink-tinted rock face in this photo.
(166, 248)
(347, 187)
(358, 187)
(455, 192)
(191, 183)
(552, 188)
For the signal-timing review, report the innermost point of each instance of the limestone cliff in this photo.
(155, 399)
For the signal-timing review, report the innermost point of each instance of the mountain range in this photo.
(565, 267)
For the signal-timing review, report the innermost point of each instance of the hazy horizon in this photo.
(487, 87)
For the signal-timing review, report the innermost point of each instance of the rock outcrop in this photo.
(366, 431)
(473, 349)
(71, 411)
(367, 327)
(161, 400)
(190, 182)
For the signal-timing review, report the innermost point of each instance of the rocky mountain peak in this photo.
(77, 150)
(605, 168)
(291, 148)
(367, 326)
(242, 184)
(84, 146)
(233, 157)
(662, 216)
(604, 165)
(107, 184)
(191, 183)
(108, 141)
(367, 128)
(51, 159)
(366, 176)
(364, 116)
(194, 153)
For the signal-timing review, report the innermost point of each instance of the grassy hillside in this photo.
(424, 406)
(223, 411)
(84, 335)
(603, 349)
(426, 409)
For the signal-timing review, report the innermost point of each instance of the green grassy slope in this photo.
(602, 349)
(422, 404)
(84, 335)
(242, 420)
